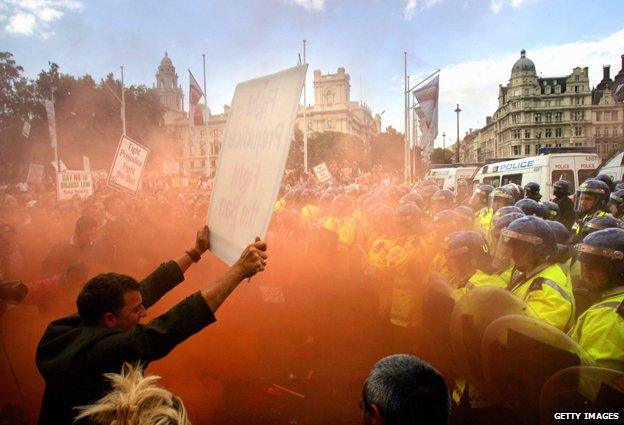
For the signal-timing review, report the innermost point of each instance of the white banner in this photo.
(128, 165)
(63, 166)
(35, 173)
(252, 159)
(322, 173)
(73, 183)
(49, 107)
(171, 167)
(86, 163)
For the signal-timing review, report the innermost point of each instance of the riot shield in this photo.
(582, 389)
(519, 354)
(437, 306)
(471, 316)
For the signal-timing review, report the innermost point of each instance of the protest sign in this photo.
(63, 166)
(128, 165)
(252, 159)
(171, 167)
(322, 173)
(35, 173)
(73, 183)
(86, 163)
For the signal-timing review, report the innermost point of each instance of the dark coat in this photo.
(567, 216)
(72, 357)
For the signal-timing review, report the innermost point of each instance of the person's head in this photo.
(600, 223)
(501, 253)
(137, 400)
(601, 255)
(446, 222)
(552, 210)
(591, 196)
(501, 197)
(532, 207)
(441, 200)
(86, 231)
(561, 188)
(606, 180)
(532, 191)
(466, 252)
(480, 196)
(616, 203)
(563, 237)
(111, 300)
(530, 240)
(412, 198)
(407, 219)
(402, 389)
(467, 213)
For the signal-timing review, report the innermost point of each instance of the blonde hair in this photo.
(135, 400)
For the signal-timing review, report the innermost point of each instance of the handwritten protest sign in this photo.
(73, 183)
(35, 173)
(251, 162)
(128, 165)
(322, 173)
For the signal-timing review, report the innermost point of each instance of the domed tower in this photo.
(167, 89)
(523, 81)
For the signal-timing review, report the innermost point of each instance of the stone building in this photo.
(333, 109)
(606, 116)
(547, 111)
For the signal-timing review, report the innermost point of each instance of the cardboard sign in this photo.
(35, 173)
(73, 183)
(128, 165)
(322, 173)
(171, 167)
(252, 159)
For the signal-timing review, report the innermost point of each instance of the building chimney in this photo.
(623, 62)
(605, 72)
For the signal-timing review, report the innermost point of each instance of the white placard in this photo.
(86, 163)
(322, 173)
(128, 165)
(73, 183)
(35, 173)
(252, 159)
(63, 166)
(171, 167)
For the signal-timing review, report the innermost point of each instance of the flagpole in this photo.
(305, 119)
(123, 104)
(56, 152)
(208, 144)
(434, 73)
(405, 94)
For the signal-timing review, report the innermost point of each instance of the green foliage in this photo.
(387, 149)
(441, 156)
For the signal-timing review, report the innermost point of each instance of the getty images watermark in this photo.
(586, 416)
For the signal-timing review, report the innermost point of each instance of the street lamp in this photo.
(457, 111)
(443, 141)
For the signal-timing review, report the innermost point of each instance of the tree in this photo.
(387, 149)
(441, 156)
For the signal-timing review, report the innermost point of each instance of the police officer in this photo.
(591, 200)
(565, 204)
(606, 180)
(552, 210)
(444, 223)
(442, 200)
(539, 281)
(480, 203)
(532, 207)
(616, 203)
(502, 258)
(532, 191)
(600, 329)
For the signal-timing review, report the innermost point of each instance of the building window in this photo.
(578, 131)
(329, 97)
(549, 132)
(614, 115)
(547, 103)
(516, 134)
(547, 89)
(515, 118)
(558, 132)
(527, 149)
(576, 89)
(557, 145)
(537, 148)
(538, 117)
(538, 134)
(598, 115)
(558, 102)
(598, 132)
(527, 134)
(558, 90)
(607, 116)
(577, 78)
(606, 132)
(558, 116)
(548, 117)
(516, 150)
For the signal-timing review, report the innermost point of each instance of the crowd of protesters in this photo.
(360, 268)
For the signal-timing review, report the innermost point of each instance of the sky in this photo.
(473, 42)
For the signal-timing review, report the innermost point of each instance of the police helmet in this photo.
(532, 191)
(442, 199)
(561, 188)
(481, 195)
(616, 199)
(605, 248)
(532, 207)
(468, 246)
(601, 223)
(563, 238)
(452, 220)
(412, 198)
(507, 210)
(552, 210)
(515, 190)
(408, 215)
(532, 234)
(503, 195)
(606, 180)
(501, 222)
(427, 191)
(466, 212)
(619, 185)
(598, 189)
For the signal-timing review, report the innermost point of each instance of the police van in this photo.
(572, 164)
(614, 167)
(446, 176)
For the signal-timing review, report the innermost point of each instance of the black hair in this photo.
(104, 294)
(85, 223)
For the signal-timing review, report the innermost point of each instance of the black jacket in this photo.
(567, 216)
(72, 357)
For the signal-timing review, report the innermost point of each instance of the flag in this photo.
(26, 129)
(49, 107)
(195, 95)
(427, 99)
